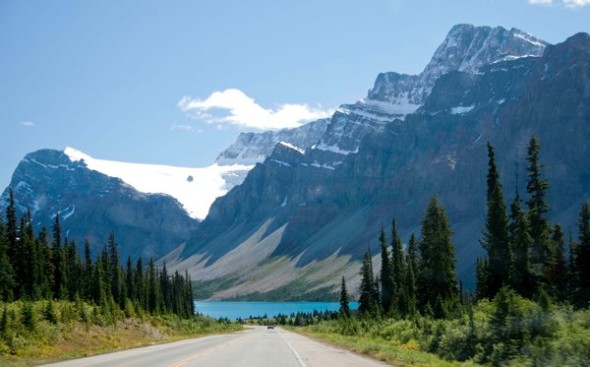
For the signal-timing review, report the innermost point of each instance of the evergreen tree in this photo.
(140, 285)
(87, 272)
(11, 224)
(539, 227)
(386, 274)
(45, 264)
(7, 280)
(495, 237)
(58, 259)
(116, 279)
(367, 303)
(438, 281)
(165, 289)
(412, 276)
(558, 275)
(482, 278)
(400, 301)
(154, 292)
(344, 300)
(582, 259)
(520, 276)
(130, 280)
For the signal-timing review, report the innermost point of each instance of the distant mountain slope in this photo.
(306, 217)
(91, 205)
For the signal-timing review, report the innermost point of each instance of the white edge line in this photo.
(293, 350)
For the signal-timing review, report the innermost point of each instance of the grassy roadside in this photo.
(405, 354)
(73, 331)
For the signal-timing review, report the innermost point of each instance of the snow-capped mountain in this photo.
(466, 48)
(194, 188)
(251, 148)
(307, 217)
(92, 204)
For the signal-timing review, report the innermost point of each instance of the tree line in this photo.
(524, 252)
(40, 266)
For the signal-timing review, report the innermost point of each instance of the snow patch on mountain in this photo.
(459, 110)
(194, 188)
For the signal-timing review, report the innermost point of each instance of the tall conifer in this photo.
(495, 237)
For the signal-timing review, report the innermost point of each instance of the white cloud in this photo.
(234, 107)
(27, 123)
(567, 3)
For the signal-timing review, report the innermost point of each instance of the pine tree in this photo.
(140, 285)
(344, 300)
(87, 272)
(558, 275)
(386, 274)
(539, 227)
(582, 259)
(6, 271)
(130, 280)
(154, 291)
(367, 303)
(115, 270)
(520, 276)
(495, 237)
(482, 278)
(438, 281)
(58, 260)
(46, 264)
(400, 301)
(411, 286)
(11, 224)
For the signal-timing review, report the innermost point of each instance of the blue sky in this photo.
(139, 80)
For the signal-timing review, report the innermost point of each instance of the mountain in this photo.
(251, 148)
(195, 188)
(95, 196)
(92, 204)
(466, 48)
(303, 218)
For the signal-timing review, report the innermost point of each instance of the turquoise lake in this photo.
(235, 310)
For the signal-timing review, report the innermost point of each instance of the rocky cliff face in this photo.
(252, 148)
(466, 48)
(91, 205)
(312, 215)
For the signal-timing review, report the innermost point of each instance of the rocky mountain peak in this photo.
(465, 48)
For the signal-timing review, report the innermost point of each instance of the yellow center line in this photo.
(207, 351)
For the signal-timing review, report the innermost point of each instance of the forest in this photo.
(56, 304)
(531, 305)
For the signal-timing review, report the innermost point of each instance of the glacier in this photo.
(194, 188)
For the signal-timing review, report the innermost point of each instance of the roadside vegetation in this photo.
(37, 332)
(56, 305)
(530, 308)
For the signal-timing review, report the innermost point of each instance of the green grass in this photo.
(394, 352)
(518, 332)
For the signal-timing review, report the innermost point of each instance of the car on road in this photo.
(270, 326)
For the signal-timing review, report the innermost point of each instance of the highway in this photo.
(256, 346)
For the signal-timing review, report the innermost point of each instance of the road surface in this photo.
(257, 346)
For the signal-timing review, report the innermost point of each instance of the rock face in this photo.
(91, 205)
(252, 148)
(313, 212)
(466, 48)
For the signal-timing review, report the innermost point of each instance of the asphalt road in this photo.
(253, 347)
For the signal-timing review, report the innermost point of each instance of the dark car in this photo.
(270, 326)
